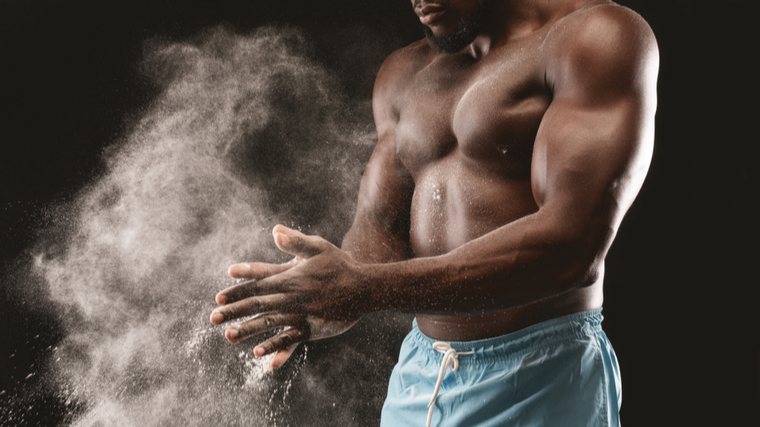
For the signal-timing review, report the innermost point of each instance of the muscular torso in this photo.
(466, 129)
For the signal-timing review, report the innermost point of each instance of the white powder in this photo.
(246, 133)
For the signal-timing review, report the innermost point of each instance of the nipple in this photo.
(504, 149)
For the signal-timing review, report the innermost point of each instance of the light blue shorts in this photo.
(558, 373)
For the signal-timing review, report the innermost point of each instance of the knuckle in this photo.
(298, 334)
(229, 313)
(285, 340)
(269, 321)
(253, 306)
(248, 289)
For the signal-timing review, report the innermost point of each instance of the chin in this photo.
(451, 41)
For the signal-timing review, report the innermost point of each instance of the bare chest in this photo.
(485, 111)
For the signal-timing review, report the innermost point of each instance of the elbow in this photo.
(579, 273)
(579, 257)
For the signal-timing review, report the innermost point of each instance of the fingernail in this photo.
(243, 268)
(284, 239)
(258, 351)
(237, 270)
(221, 299)
(217, 318)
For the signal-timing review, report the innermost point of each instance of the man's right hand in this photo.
(298, 327)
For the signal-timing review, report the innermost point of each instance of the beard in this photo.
(469, 27)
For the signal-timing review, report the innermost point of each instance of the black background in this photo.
(679, 303)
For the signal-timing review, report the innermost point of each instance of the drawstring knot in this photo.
(450, 360)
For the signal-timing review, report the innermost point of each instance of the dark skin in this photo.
(499, 180)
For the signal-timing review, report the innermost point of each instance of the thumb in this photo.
(299, 244)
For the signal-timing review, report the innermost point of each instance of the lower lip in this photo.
(430, 18)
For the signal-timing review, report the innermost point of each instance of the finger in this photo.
(279, 228)
(280, 342)
(259, 270)
(299, 244)
(251, 306)
(261, 324)
(252, 288)
(282, 356)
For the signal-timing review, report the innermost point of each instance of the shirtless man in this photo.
(511, 142)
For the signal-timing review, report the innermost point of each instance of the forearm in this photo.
(524, 261)
(367, 242)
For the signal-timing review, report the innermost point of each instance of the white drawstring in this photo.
(450, 359)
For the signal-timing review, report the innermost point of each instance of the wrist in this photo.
(405, 285)
(373, 288)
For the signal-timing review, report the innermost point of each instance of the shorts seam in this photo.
(599, 358)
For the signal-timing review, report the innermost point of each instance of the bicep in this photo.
(595, 141)
(386, 187)
(380, 232)
(582, 155)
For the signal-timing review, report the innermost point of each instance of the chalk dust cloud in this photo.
(248, 131)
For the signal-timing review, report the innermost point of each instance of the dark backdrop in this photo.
(678, 292)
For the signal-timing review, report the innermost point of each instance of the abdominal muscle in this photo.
(452, 207)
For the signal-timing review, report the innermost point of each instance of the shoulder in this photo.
(604, 29)
(605, 46)
(407, 60)
(399, 69)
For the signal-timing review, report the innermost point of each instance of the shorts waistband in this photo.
(579, 325)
